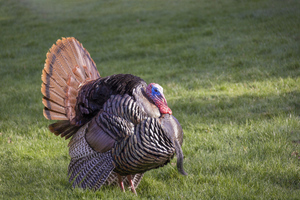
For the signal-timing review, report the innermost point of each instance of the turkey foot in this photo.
(131, 184)
(122, 184)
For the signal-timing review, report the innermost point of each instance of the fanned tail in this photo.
(68, 66)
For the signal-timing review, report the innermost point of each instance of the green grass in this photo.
(230, 70)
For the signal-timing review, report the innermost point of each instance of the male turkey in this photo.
(120, 126)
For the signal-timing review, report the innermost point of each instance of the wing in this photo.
(124, 137)
(114, 122)
(88, 168)
(138, 142)
(147, 148)
(90, 148)
(93, 95)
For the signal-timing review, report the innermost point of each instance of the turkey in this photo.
(119, 126)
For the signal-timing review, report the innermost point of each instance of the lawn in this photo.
(230, 72)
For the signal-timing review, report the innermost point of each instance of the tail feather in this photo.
(56, 63)
(49, 114)
(79, 73)
(60, 60)
(68, 66)
(51, 75)
(63, 128)
(68, 132)
(56, 85)
(55, 106)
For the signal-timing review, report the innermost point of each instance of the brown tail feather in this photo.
(54, 106)
(67, 67)
(63, 128)
(59, 126)
(49, 114)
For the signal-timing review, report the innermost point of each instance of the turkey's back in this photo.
(94, 94)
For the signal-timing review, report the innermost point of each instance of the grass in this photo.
(230, 70)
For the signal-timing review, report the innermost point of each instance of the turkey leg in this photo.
(121, 183)
(131, 184)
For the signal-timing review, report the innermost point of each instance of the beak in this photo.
(163, 99)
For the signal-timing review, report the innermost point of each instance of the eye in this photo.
(155, 90)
